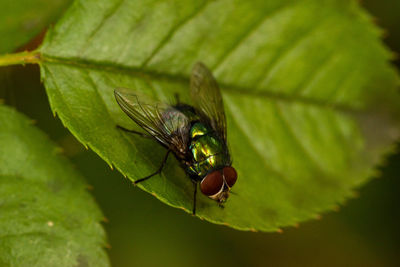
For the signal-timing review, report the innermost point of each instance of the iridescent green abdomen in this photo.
(207, 149)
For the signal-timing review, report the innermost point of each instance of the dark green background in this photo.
(144, 232)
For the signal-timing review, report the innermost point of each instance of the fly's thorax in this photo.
(206, 146)
(207, 149)
(198, 129)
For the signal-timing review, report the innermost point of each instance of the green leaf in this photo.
(47, 218)
(309, 95)
(23, 19)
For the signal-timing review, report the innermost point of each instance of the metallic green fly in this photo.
(196, 134)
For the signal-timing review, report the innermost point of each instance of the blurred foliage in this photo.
(21, 20)
(142, 231)
(46, 216)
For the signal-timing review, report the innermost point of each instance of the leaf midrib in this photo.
(149, 74)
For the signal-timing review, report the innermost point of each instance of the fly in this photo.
(195, 134)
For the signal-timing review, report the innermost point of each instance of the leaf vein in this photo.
(173, 31)
(233, 89)
(296, 140)
(242, 128)
(104, 20)
(281, 53)
(244, 35)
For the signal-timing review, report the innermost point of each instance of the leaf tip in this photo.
(383, 33)
(89, 187)
(336, 208)
(378, 173)
(394, 56)
(318, 217)
(279, 231)
(355, 194)
(105, 219)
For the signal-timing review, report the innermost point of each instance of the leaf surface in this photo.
(47, 217)
(310, 98)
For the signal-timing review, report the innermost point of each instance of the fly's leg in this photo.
(194, 197)
(134, 132)
(155, 173)
(150, 137)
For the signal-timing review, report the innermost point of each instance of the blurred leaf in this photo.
(23, 19)
(309, 96)
(46, 216)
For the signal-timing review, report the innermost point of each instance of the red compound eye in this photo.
(230, 176)
(212, 183)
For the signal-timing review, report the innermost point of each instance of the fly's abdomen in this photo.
(207, 150)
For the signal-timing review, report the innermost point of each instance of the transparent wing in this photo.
(165, 123)
(207, 98)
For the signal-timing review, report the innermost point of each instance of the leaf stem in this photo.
(22, 58)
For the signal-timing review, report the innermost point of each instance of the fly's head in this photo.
(218, 183)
